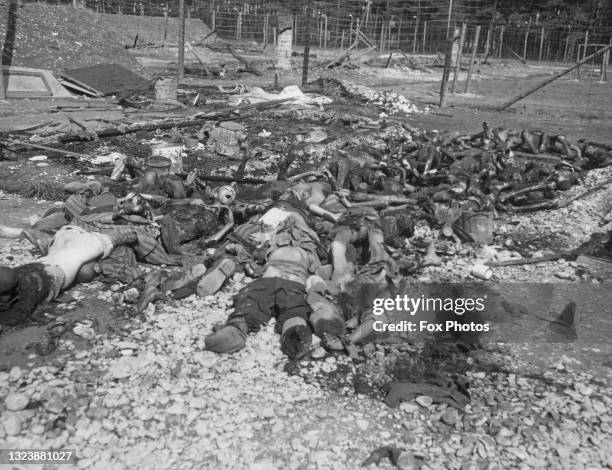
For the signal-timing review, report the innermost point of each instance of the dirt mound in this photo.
(154, 30)
(59, 38)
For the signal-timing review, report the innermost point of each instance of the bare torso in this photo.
(289, 262)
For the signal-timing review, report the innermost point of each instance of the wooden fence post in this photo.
(306, 50)
(586, 41)
(459, 55)
(325, 37)
(448, 61)
(320, 34)
(181, 43)
(471, 69)
(501, 42)
(399, 33)
(526, 38)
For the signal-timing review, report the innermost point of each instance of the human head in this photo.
(225, 195)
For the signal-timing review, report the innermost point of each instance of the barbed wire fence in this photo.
(416, 27)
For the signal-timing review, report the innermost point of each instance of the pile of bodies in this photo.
(321, 234)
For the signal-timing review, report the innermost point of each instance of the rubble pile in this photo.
(394, 103)
(391, 102)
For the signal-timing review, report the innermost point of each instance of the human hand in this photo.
(191, 177)
(343, 193)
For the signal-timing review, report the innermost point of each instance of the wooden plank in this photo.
(515, 54)
(44, 147)
(367, 51)
(196, 55)
(77, 88)
(340, 59)
(243, 61)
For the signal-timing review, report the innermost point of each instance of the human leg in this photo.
(253, 307)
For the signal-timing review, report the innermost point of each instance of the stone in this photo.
(268, 412)
(131, 295)
(566, 274)
(201, 428)
(198, 403)
(585, 390)
(424, 401)
(320, 457)
(117, 298)
(450, 416)
(16, 401)
(316, 136)
(407, 461)
(263, 465)
(37, 429)
(318, 353)
(296, 444)
(176, 409)
(409, 407)
(368, 349)
(54, 403)
(518, 453)
(363, 424)
(15, 374)
(84, 331)
(11, 423)
(144, 413)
